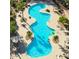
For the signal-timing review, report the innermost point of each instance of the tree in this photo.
(47, 10)
(18, 5)
(56, 39)
(29, 35)
(65, 50)
(12, 26)
(64, 21)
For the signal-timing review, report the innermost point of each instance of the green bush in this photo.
(29, 17)
(24, 0)
(12, 26)
(18, 5)
(56, 39)
(47, 10)
(29, 33)
(64, 21)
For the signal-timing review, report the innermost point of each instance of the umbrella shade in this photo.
(21, 48)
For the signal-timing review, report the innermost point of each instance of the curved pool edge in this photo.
(44, 54)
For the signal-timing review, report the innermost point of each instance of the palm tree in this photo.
(56, 39)
(65, 51)
(64, 21)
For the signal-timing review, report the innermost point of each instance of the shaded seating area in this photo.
(17, 45)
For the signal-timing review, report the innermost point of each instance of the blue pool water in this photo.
(40, 45)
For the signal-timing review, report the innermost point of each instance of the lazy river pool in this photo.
(40, 45)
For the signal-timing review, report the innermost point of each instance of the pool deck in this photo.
(52, 23)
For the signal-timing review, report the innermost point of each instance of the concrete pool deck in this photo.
(52, 23)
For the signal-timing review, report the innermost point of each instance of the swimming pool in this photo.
(40, 45)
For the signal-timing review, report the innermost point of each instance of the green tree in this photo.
(47, 10)
(29, 34)
(12, 26)
(64, 21)
(18, 5)
(56, 39)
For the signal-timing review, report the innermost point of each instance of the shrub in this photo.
(47, 10)
(29, 17)
(29, 33)
(56, 39)
(18, 5)
(12, 26)
(64, 21)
